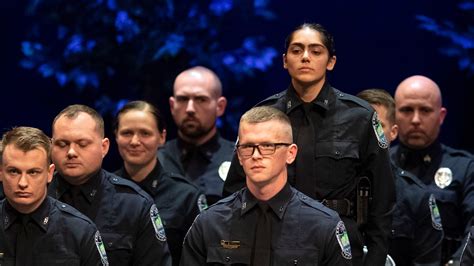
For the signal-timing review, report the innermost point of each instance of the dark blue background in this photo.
(378, 44)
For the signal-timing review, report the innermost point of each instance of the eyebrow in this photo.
(311, 45)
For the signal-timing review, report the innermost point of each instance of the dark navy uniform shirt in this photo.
(346, 147)
(205, 165)
(467, 258)
(304, 232)
(178, 202)
(125, 215)
(449, 175)
(59, 235)
(417, 231)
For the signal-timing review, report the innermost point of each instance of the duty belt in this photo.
(342, 206)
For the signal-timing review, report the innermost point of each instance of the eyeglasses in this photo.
(247, 150)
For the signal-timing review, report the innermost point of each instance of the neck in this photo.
(267, 190)
(308, 92)
(198, 141)
(26, 209)
(139, 172)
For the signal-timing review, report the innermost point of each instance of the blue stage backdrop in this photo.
(104, 52)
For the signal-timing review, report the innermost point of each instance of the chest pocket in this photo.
(447, 201)
(337, 161)
(220, 256)
(402, 225)
(118, 247)
(285, 256)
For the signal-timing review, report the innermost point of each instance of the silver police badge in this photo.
(101, 248)
(223, 170)
(443, 177)
(343, 240)
(157, 223)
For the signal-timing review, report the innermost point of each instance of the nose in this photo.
(71, 152)
(256, 153)
(416, 119)
(305, 55)
(190, 106)
(23, 182)
(135, 140)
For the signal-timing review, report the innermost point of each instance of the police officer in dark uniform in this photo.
(343, 152)
(139, 131)
(417, 231)
(37, 229)
(268, 222)
(467, 257)
(199, 153)
(126, 216)
(448, 173)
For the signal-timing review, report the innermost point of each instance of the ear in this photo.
(285, 65)
(221, 104)
(442, 114)
(162, 138)
(331, 63)
(291, 153)
(172, 103)
(105, 146)
(51, 172)
(393, 133)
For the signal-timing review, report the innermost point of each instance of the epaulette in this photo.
(272, 99)
(315, 204)
(348, 97)
(61, 206)
(457, 152)
(119, 181)
(410, 177)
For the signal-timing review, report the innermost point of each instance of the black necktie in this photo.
(263, 237)
(305, 176)
(24, 241)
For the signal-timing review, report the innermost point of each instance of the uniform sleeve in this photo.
(426, 245)
(92, 248)
(337, 250)
(468, 198)
(150, 246)
(194, 248)
(235, 178)
(377, 168)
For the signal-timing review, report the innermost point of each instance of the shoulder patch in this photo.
(435, 217)
(157, 223)
(383, 143)
(101, 248)
(343, 240)
(202, 202)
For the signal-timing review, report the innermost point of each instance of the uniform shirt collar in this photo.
(278, 203)
(150, 183)
(88, 190)
(423, 156)
(40, 216)
(323, 101)
(206, 149)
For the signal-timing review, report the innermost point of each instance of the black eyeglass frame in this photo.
(258, 147)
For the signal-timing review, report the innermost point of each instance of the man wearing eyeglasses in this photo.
(268, 222)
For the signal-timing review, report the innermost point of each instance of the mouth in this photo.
(305, 69)
(22, 194)
(72, 165)
(134, 152)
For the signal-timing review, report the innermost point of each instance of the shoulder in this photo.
(69, 213)
(180, 183)
(169, 147)
(348, 98)
(226, 144)
(456, 152)
(223, 207)
(315, 207)
(273, 100)
(124, 189)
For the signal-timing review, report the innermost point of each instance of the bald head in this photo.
(201, 76)
(419, 112)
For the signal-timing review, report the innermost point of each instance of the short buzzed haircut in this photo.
(72, 111)
(26, 139)
(380, 97)
(266, 113)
